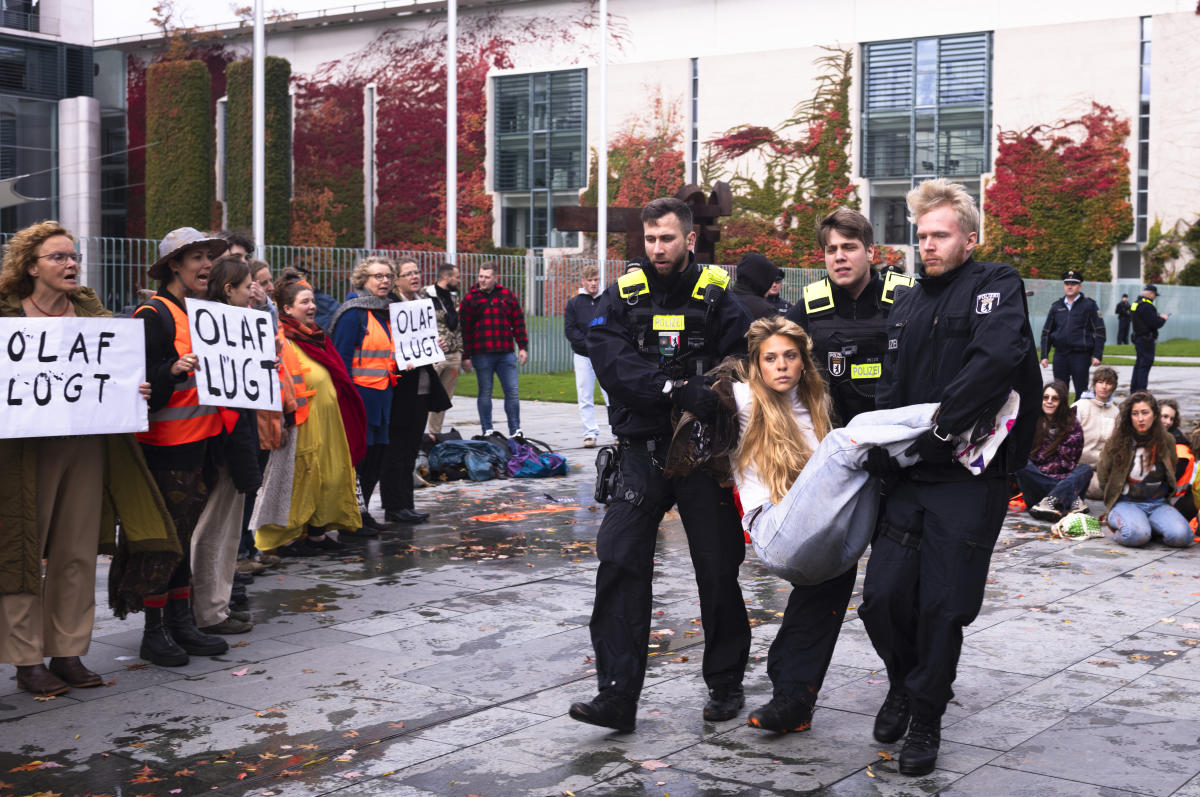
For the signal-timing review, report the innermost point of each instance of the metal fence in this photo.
(116, 269)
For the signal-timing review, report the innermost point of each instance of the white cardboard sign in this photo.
(236, 351)
(415, 333)
(72, 376)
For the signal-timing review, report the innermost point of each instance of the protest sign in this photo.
(67, 376)
(236, 351)
(415, 333)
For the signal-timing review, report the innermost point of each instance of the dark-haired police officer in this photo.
(963, 341)
(1146, 322)
(654, 334)
(1075, 331)
(845, 315)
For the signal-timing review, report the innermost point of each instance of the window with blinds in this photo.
(926, 107)
(540, 131)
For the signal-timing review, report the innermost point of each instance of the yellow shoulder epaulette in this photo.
(632, 284)
(710, 275)
(818, 297)
(891, 282)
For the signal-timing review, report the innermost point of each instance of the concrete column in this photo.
(79, 167)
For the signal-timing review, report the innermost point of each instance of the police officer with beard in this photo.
(654, 334)
(960, 338)
(846, 316)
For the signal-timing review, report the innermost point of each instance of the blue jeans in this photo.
(505, 367)
(1135, 522)
(1037, 485)
(1144, 347)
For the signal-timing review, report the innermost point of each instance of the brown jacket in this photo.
(1116, 461)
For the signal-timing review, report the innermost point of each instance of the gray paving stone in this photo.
(1002, 726)
(1068, 691)
(990, 780)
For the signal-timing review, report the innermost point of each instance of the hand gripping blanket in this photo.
(825, 522)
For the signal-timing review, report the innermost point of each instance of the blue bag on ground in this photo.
(526, 462)
(474, 459)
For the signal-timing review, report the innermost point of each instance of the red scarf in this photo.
(316, 344)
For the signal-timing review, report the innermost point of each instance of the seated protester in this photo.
(1137, 472)
(232, 473)
(1053, 479)
(1185, 469)
(309, 483)
(1097, 414)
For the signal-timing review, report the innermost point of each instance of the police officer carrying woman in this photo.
(655, 333)
(176, 444)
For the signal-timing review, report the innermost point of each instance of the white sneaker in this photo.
(519, 435)
(487, 432)
(1046, 509)
(589, 441)
(1079, 505)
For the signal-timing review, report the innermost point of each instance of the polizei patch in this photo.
(986, 303)
(837, 363)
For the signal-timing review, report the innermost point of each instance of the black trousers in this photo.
(803, 646)
(620, 624)
(1144, 347)
(369, 470)
(1123, 330)
(1073, 366)
(925, 581)
(410, 410)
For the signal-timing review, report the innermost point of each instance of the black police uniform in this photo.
(648, 330)
(1146, 322)
(1077, 335)
(849, 338)
(1123, 322)
(961, 339)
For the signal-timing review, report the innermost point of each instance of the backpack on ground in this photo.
(526, 461)
(428, 441)
(469, 459)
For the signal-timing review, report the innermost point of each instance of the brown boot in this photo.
(71, 670)
(37, 679)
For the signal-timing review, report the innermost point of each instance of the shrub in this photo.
(179, 156)
(239, 141)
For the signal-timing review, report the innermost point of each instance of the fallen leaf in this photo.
(395, 724)
(1138, 657)
(183, 773)
(349, 734)
(654, 764)
(870, 774)
(352, 774)
(30, 767)
(241, 672)
(885, 755)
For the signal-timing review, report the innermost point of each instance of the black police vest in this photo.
(674, 339)
(850, 350)
(1139, 326)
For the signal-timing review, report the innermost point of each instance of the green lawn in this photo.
(558, 386)
(1176, 347)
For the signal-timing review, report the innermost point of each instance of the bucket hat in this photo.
(176, 241)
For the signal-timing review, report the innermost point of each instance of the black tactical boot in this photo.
(157, 645)
(782, 715)
(609, 709)
(724, 703)
(920, 751)
(184, 631)
(891, 723)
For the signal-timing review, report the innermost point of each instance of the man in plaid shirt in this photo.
(491, 321)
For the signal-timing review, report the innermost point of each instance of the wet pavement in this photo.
(441, 660)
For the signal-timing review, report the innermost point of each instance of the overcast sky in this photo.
(128, 17)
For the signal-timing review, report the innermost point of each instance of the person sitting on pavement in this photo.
(1053, 480)
(52, 490)
(1168, 411)
(362, 336)
(1097, 414)
(309, 484)
(1137, 472)
(233, 465)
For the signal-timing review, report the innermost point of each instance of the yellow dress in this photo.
(323, 482)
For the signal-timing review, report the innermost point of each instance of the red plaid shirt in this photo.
(490, 322)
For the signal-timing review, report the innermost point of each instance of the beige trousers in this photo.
(214, 551)
(58, 622)
(447, 372)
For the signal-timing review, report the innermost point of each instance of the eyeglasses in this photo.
(387, 275)
(408, 274)
(1051, 398)
(62, 258)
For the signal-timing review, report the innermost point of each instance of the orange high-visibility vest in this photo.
(374, 363)
(1184, 482)
(183, 419)
(291, 370)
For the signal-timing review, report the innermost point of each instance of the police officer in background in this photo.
(846, 316)
(654, 334)
(1146, 321)
(960, 338)
(1076, 332)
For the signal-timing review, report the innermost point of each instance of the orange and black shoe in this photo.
(782, 715)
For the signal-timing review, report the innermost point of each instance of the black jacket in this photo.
(852, 318)
(963, 340)
(1145, 318)
(580, 311)
(754, 278)
(1076, 330)
(634, 383)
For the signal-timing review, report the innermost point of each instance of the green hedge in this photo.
(239, 141)
(179, 156)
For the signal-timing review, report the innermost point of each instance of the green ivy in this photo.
(239, 77)
(179, 157)
(1190, 275)
(1161, 248)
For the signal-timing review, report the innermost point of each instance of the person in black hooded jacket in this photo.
(755, 275)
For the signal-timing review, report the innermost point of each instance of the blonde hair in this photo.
(358, 277)
(771, 439)
(21, 252)
(933, 194)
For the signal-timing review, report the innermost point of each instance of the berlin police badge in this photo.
(837, 363)
(986, 303)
